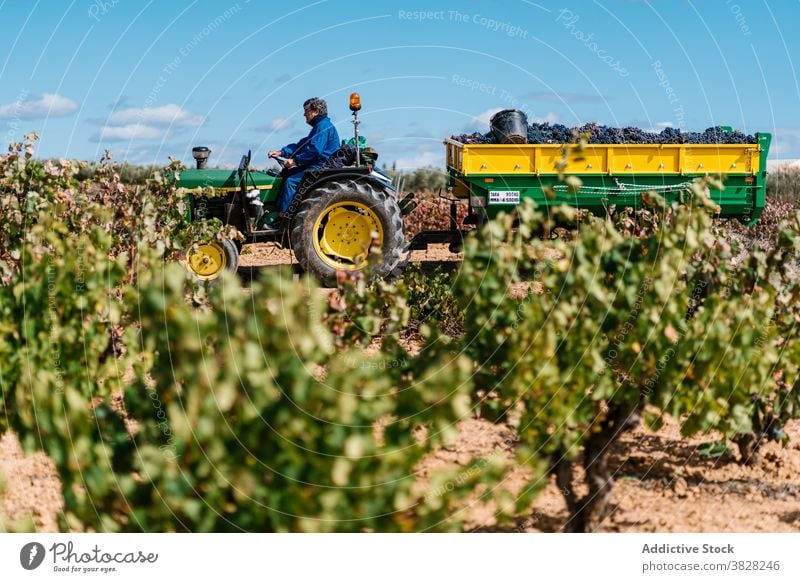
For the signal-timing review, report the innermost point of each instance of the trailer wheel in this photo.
(338, 223)
(207, 261)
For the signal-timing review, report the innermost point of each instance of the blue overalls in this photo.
(309, 154)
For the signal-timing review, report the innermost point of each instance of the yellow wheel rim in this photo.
(343, 234)
(207, 262)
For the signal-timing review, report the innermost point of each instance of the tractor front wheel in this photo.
(206, 261)
(338, 224)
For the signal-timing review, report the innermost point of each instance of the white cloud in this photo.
(776, 165)
(663, 124)
(483, 118)
(280, 123)
(785, 142)
(142, 123)
(48, 105)
(166, 115)
(549, 117)
(419, 159)
(131, 131)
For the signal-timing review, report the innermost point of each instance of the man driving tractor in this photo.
(337, 218)
(309, 153)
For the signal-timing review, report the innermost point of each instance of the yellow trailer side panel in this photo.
(471, 159)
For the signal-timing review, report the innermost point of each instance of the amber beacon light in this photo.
(355, 102)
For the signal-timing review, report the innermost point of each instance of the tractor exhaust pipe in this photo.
(200, 154)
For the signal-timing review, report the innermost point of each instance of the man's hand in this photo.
(273, 154)
(289, 163)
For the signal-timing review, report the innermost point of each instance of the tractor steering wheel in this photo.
(281, 162)
(244, 169)
(244, 164)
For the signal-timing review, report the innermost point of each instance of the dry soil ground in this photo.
(662, 483)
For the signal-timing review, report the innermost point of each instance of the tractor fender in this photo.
(326, 177)
(360, 176)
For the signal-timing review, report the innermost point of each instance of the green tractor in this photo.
(338, 216)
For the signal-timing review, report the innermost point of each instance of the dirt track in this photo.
(267, 255)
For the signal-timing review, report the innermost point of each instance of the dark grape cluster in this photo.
(475, 137)
(603, 134)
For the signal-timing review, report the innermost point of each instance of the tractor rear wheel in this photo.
(207, 261)
(339, 222)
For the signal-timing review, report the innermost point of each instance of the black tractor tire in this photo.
(232, 250)
(381, 203)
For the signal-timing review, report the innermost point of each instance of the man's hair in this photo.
(317, 105)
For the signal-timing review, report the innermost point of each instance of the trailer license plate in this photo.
(503, 196)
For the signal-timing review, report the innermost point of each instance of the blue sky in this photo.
(152, 79)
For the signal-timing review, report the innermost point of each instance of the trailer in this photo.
(491, 178)
(496, 177)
